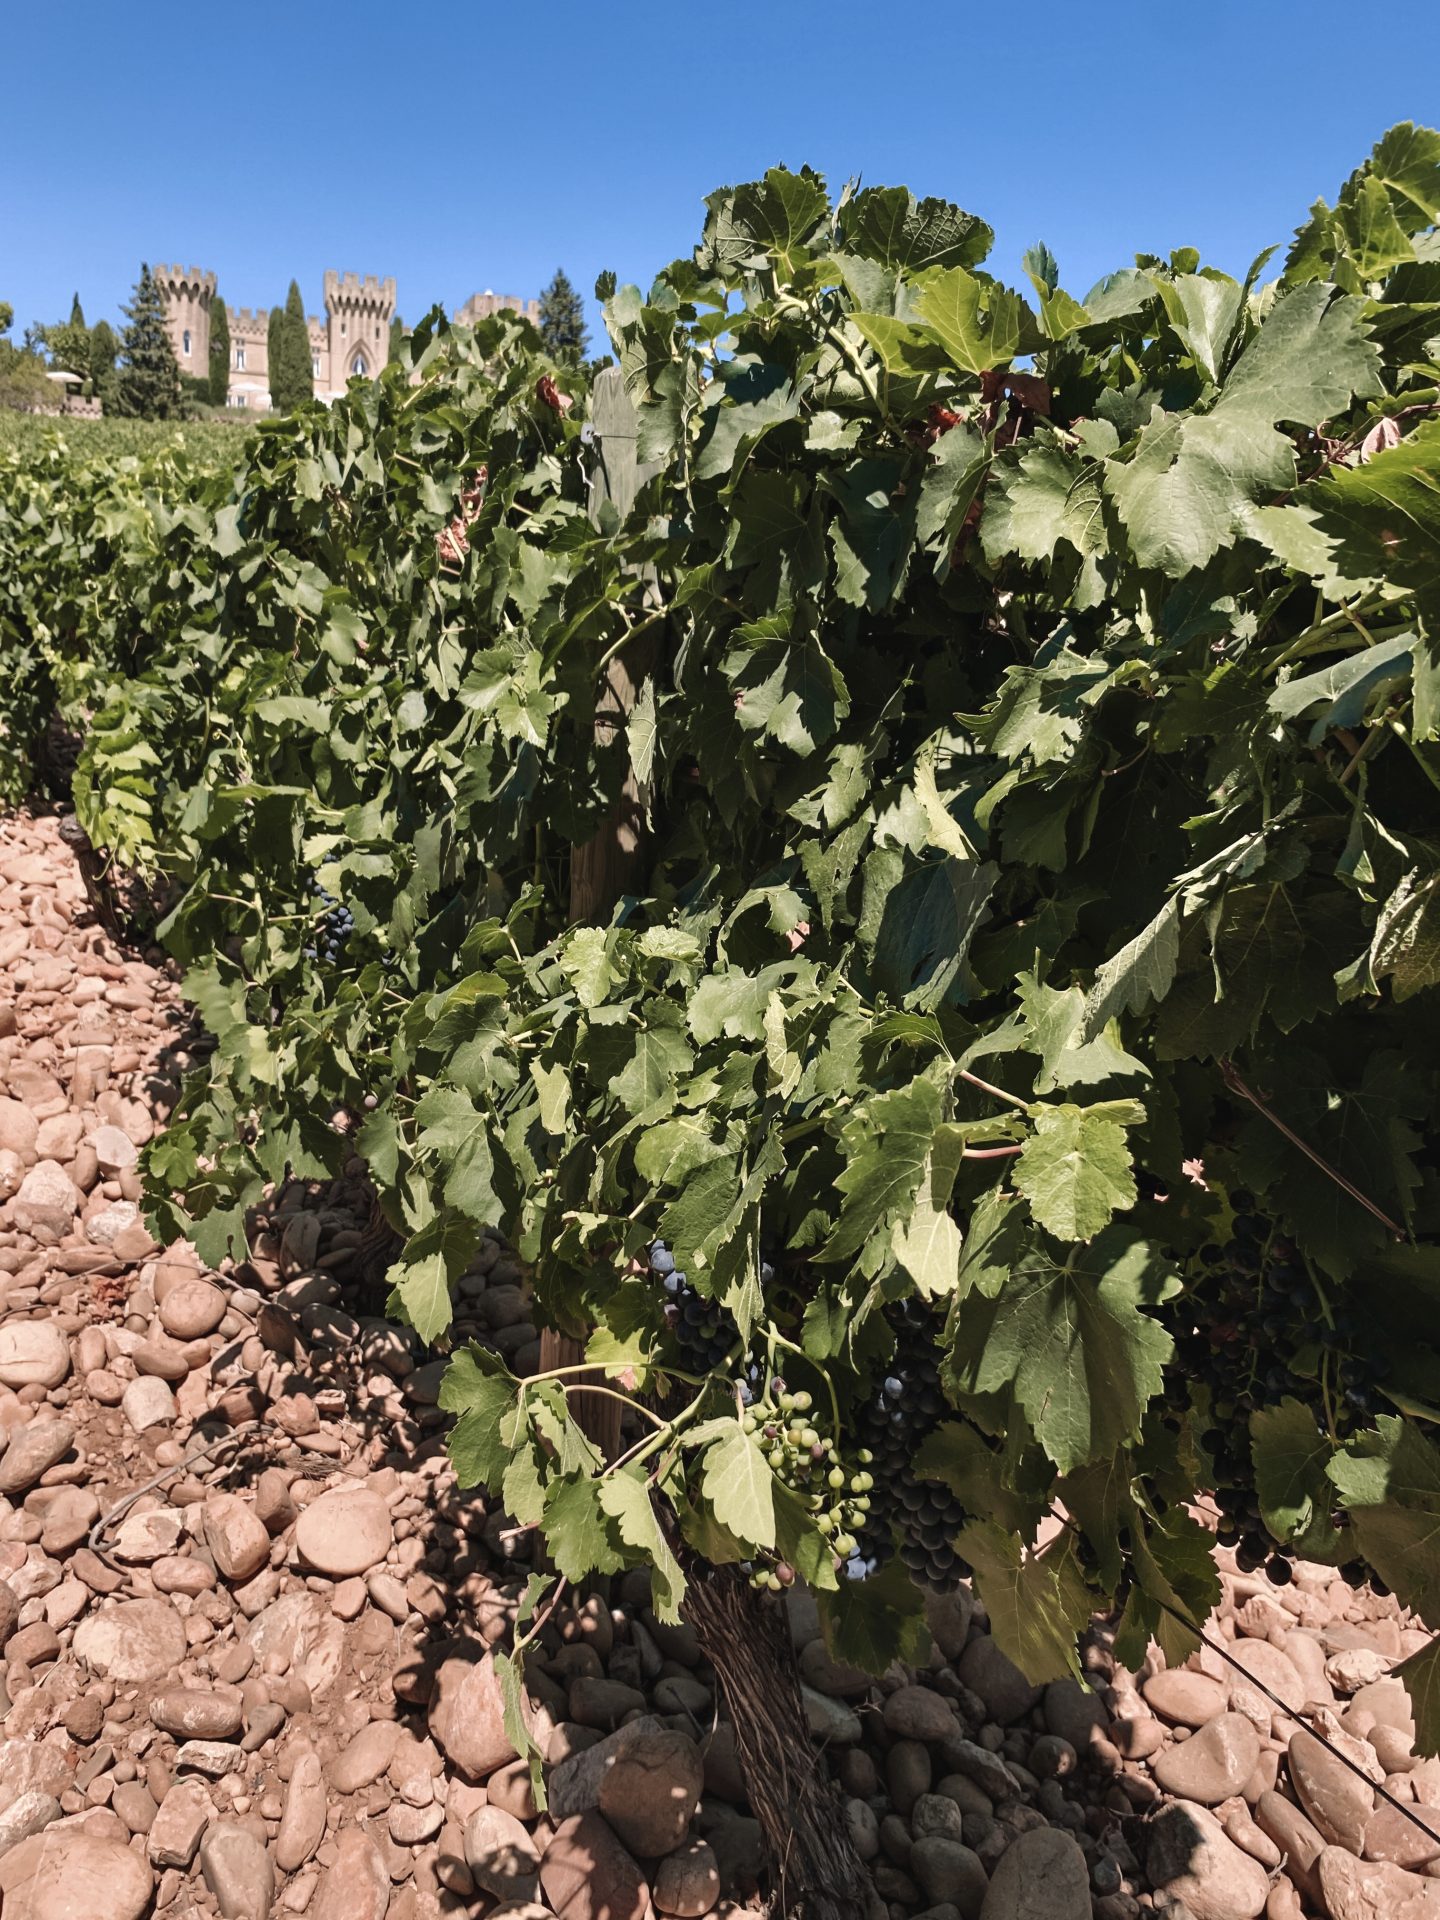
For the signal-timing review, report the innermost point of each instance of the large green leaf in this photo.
(1073, 1342)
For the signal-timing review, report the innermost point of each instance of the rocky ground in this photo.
(245, 1613)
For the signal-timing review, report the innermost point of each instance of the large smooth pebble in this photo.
(138, 1640)
(344, 1532)
(1184, 1698)
(1212, 1764)
(33, 1353)
(65, 1873)
(193, 1309)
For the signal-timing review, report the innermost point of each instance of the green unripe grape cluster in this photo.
(804, 1457)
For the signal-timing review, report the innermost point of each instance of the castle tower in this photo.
(358, 314)
(480, 306)
(187, 293)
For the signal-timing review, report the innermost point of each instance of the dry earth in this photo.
(262, 1687)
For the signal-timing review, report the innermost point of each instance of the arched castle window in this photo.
(240, 358)
(359, 366)
(186, 338)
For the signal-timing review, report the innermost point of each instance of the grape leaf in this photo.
(889, 224)
(1142, 972)
(578, 1529)
(740, 1487)
(1072, 1343)
(888, 1145)
(458, 1134)
(515, 1714)
(1037, 1603)
(871, 1623)
(433, 1259)
(1291, 1454)
(1388, 1480)
(481, 1390)
(1186, 490)
(1420, 1676)
(1176, 1590)
(1075, 1171)
(626, 1498)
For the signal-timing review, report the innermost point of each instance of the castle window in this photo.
(359, 366)
(315, 366)
(342, 329)
(240, 359)
(377, 333)
(186, 338)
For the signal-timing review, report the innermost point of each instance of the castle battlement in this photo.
(349, 290)
(249, 320)
(196, 279)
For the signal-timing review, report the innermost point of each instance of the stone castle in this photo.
(352, 341)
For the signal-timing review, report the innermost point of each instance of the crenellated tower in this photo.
(187, 293)
(358, 314)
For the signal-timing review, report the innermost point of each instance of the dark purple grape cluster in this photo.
(920, 1517)
(1249, 1328)
(333, 928)
(704, 1332)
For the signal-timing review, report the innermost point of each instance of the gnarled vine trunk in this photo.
(818, 1873)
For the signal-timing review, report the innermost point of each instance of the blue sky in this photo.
(464, 145)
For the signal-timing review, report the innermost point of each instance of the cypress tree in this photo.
(397, 338)
(77, 312)
(275, 357)
(562, 319)
(299, 373)
(148, 387)
(103, 349)
(219, 353)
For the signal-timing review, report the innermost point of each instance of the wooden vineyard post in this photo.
(608, 864)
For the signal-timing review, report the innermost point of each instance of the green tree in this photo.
(397, 337)
(562, 319)
(22, 372)
(103, 348)
(148, 385)
(275, 356)
(219, 353)
(292, 380)
(77, 313)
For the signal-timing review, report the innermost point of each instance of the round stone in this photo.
(1184, 1698)
(138, 1640)
(1212, 1764)
(114, 1149)
(68, 1874)
(238, 1542)
(147, 1402)
(191, 1310)
(344, 1532)
(33, 1353)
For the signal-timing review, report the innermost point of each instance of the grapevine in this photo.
(984, 1128)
